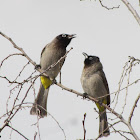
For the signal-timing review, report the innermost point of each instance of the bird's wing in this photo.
(44, 49)
(102, 74)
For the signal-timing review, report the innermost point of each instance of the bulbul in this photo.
(51, 54)
(94, 84)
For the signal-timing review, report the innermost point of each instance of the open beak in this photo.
(71, 36)
(86, 56)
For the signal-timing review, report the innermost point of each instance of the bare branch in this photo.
(10, 56)
(119, 132)
(54, 120)
(108, 7)
(132, 10)
(129, 69)
(20, 49)
(38, 127)
(58, 125)
(21, 71)
(121, 89)
(35, 135)
(84, 126)
(132, 131)
(91, 98)
(11, 117)
(9, 80)
(11, 112)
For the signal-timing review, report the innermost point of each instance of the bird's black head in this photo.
(65, 38)
(89, 60)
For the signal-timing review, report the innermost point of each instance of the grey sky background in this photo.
(113, 35)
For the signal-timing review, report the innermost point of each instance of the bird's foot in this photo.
(54, 81)
(38, 66)
(85, 95)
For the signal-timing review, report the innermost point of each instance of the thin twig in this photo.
(136, 81)
(108, 7)
(38, 127)
(84, 126)
(10, 118)
(133, 108)
(4, 77)
(21, 71)
(13, 103)
(17, 132)
(58, 125)
(119, 132)
(120, 84)
(132, 10)
(20, 49)
(9, 56)
(128, 80)
(35, 135)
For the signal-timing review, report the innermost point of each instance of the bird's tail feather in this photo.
(103, 124)
(40, 104)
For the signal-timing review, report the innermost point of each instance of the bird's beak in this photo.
(71, 36)
(86, 56)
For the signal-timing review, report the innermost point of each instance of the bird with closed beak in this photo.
(51, 54)
(94, 84)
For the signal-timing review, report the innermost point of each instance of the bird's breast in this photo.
(93, 85)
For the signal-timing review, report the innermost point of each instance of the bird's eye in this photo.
(90, 58)
(64, 35)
